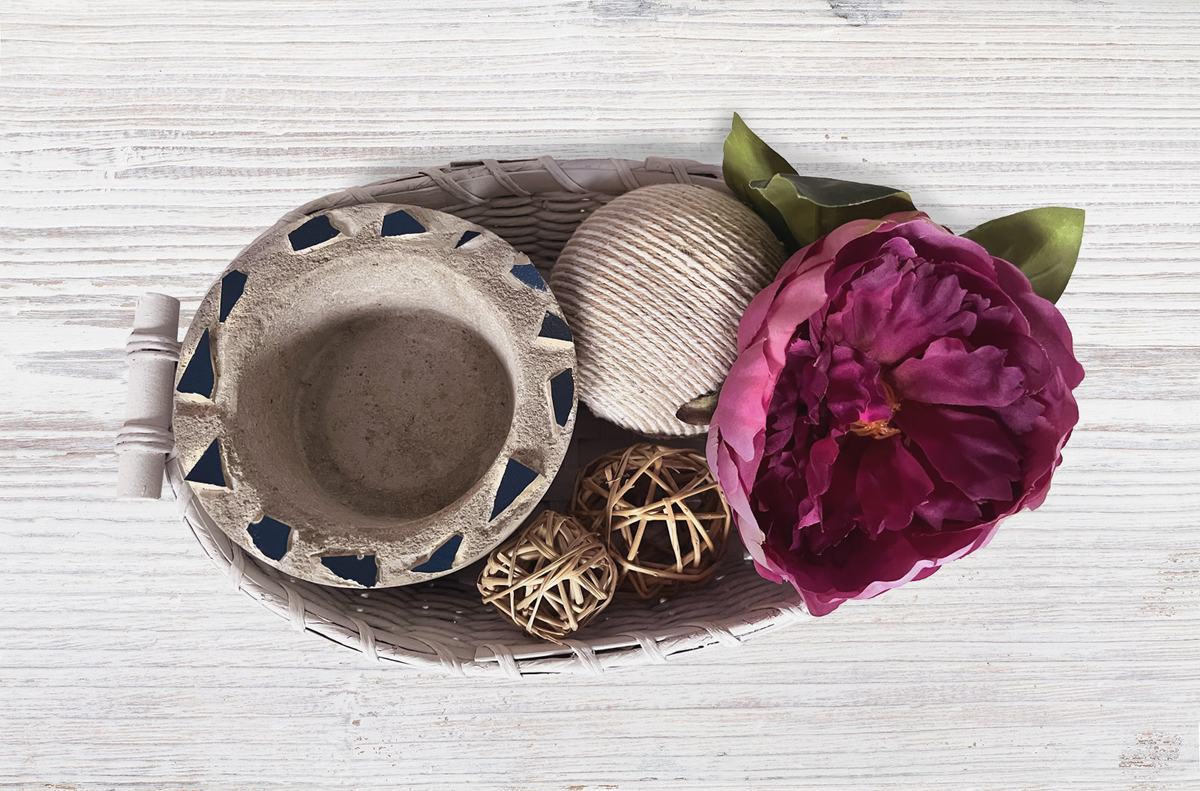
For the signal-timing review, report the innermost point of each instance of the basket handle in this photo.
(145, 439)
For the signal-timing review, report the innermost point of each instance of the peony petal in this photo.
(839, 506)
(863, 309)
(825, 249)
(742, 406)
(925, 573)
(847, 266)
(947, 503)
(814, 382)
(879, 564)
(855, 262)
(915, 215)
(796, 302)
(891, 484)
(947, 373)
(768, 573)
(937, 245)
(755, 315)
(855, 391)
(924, 307)
(1046, 323)
(817, 474)
(1021, 415)
(1024, 353)
(786, 408)
(816, 256)
(721, 463)
(946, 546)
(817, 604)
(968, 450)
(1044, 442)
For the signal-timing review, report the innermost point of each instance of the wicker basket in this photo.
(443, 625)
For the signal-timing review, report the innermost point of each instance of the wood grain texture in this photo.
(143, 143)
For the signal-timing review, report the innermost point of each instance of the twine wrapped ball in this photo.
(661, 514)
(653, 286)
(551, 579)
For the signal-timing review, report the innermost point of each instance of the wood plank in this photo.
(142, 144)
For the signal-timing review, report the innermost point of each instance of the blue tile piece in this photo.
(401, 223)
(312, 233)
(362, 570)
(528, 274)
(232, 286)
(466, 237)
(209, 468)
(270, 536)
(516, 480)
(555, 328)
(562, 396)
(443, 557)
(198, 377)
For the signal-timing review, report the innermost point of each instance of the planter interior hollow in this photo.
(373, 394)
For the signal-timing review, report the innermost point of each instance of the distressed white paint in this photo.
(141, 144)
(146, 436)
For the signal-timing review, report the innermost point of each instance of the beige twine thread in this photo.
(653, 285)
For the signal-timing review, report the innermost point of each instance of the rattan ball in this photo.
(654, 285)
(661, 514)
(551, 578)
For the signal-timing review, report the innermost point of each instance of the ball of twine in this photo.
(550, 579)
(653, 285)
(661, 514)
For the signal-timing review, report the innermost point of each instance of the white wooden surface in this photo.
(144, 142)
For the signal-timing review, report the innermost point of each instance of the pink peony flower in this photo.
(898, 392)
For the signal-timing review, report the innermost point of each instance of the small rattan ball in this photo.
(661, 514)
(551, 578)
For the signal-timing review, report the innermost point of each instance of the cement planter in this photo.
(374, 396)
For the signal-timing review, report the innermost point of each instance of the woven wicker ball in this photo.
(661, 514)
(551, 578)
(654, 285)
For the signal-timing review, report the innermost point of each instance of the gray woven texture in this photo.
(443, 625)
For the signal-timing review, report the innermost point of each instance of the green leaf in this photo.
(747, 158)
(1042, 243)
(699, 411)
(812, 207)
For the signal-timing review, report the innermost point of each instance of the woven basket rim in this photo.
(460, 186)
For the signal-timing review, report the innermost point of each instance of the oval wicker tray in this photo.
(442, 625)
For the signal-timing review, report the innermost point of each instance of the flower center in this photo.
(879, 429)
